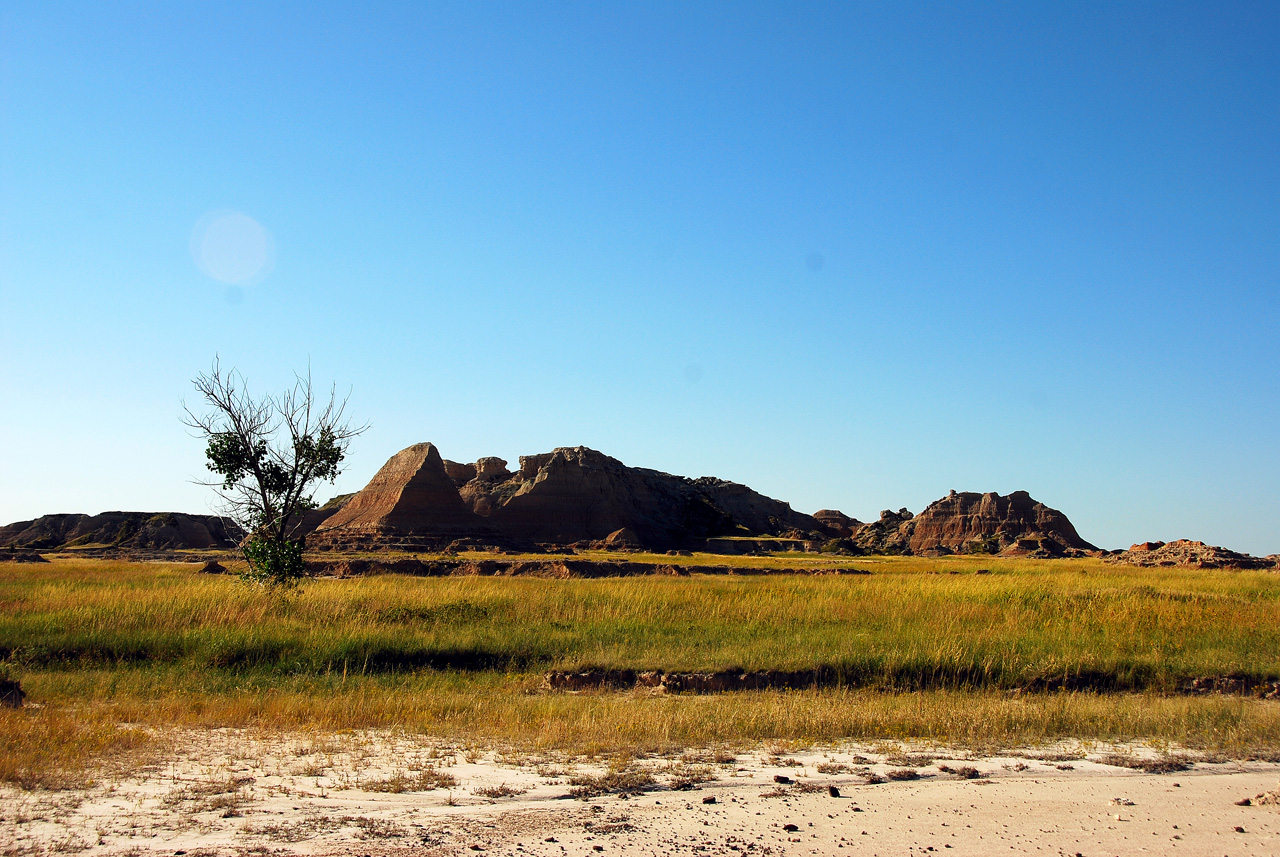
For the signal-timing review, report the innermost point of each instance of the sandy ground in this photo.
(228, 792)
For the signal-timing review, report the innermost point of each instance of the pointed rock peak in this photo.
(412, 492)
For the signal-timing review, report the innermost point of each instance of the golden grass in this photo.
(98, 644)
(912, 623)
(61, 748)
(511, 709)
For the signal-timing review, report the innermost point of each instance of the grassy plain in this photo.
(922, 648)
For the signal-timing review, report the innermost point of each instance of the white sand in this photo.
(228, 792)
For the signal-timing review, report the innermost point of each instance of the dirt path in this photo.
(227, 792)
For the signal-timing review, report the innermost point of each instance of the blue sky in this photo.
(853, 255)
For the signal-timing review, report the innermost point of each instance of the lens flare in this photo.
(232, 247)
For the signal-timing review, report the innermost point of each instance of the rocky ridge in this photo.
(125, 530)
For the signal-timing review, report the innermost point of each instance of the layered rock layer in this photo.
(991, 523)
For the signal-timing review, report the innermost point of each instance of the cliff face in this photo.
(566, 496)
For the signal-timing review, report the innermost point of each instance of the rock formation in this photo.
(1016, 525)
(891, 534)
(412, 496)
(837, 523)
(132, 530)
(578, 495)
(1188, 554)
(571, 495)
(990, 523)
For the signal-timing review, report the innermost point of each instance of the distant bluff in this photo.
(578, 496)
(125, 530)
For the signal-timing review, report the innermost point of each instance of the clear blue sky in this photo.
(853, 255)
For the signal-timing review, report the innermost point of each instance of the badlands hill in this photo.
(571, 495)
(575, 495)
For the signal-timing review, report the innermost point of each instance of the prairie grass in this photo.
(909, 625)
(60, 748)
(922, 649)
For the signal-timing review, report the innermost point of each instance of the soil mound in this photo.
(131, 530)
(551, 567)
(826, 676)
(21, 556)
(1185, 553)
(677, 682)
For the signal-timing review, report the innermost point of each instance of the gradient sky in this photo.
(853, 255)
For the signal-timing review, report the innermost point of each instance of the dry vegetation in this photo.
(97, 644)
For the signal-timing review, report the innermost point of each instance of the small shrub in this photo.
(1160, 765)
(425, 780)
(964, 772)
(685, 777)
(502, 790)
(618, 779)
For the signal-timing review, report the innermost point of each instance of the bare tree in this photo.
(269, 454)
